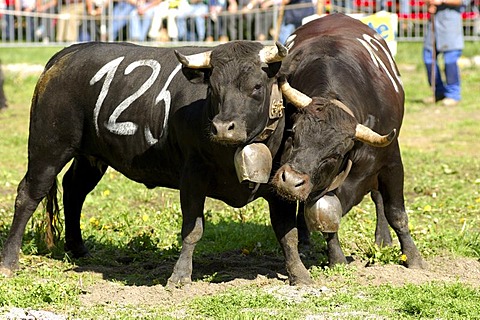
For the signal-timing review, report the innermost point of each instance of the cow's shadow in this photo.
(241, 261)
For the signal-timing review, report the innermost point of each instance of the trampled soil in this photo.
(268, 272)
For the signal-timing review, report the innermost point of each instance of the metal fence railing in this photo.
(61, 23)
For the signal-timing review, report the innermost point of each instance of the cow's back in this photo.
(116, 101)
(340, 57)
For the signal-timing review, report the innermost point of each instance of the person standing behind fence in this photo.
(69, 20)
(448, 36)
(121, 12)
(292, 18)
(141, 19)
(264, 19)
(46, 26)
(194, 9)
(9, 22)
(168, 9)
(97, 24)
(27, 6)
(217, 26)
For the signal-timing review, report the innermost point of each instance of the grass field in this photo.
(133, 232)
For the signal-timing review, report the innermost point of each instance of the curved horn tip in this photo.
(289, 42)
(372, 138)
(392, 135)
(282, 50)
(181, 58)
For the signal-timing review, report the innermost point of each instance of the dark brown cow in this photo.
(333, 157)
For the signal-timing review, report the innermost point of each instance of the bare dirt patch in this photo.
(252, 272)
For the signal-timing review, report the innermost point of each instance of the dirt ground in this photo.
(255, 271)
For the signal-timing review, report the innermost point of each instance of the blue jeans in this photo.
(285, 31)
(120, 13)
(139, 25)
(197, 11)
(450, 88)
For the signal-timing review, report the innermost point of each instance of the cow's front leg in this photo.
(283, 217)
(334, 250)
(192, 199)
(192, 232)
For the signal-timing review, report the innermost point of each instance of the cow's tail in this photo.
(52, 221)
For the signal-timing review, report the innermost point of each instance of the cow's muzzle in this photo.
(229, 132)
(291, 184)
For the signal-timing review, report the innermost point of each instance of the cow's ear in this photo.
(272, 68)
(196, 75)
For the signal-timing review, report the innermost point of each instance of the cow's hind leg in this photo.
(334, 249)
(382, 232)
(391, 189)
(81, 178)
(35, 185)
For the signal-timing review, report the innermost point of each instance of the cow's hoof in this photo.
(416, 263)
(337, 260)
(6, 272)
(304, 280)
(77, 251)
(383, 240)
(300, 277)
(178, 282)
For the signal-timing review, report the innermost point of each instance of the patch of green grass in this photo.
(43, 284)
(427, 301)
(31, 55)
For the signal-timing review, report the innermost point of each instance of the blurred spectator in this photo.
(194, 9)
(447, 36)
(97, 26)
(3, 99)
(168, 9)
(27, 6)
(292, 18)
(217, 27)
(121, 12)
(264, 19)
(237, 26)
(345, 6)
(141, 19)
(9, 19)
(69, 20)
(46, 26)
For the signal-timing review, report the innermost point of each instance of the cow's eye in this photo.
(257, 92)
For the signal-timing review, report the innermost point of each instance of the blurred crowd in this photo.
(150, 20)
(194, 20)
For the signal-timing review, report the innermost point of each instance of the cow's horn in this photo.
(195, 61)
(297, 98)
(276, 53)
(367, 135)
(342, 106)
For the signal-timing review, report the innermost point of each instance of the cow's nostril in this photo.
(284, 178)
(231, 126)
(214, 129)
(300, 183)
